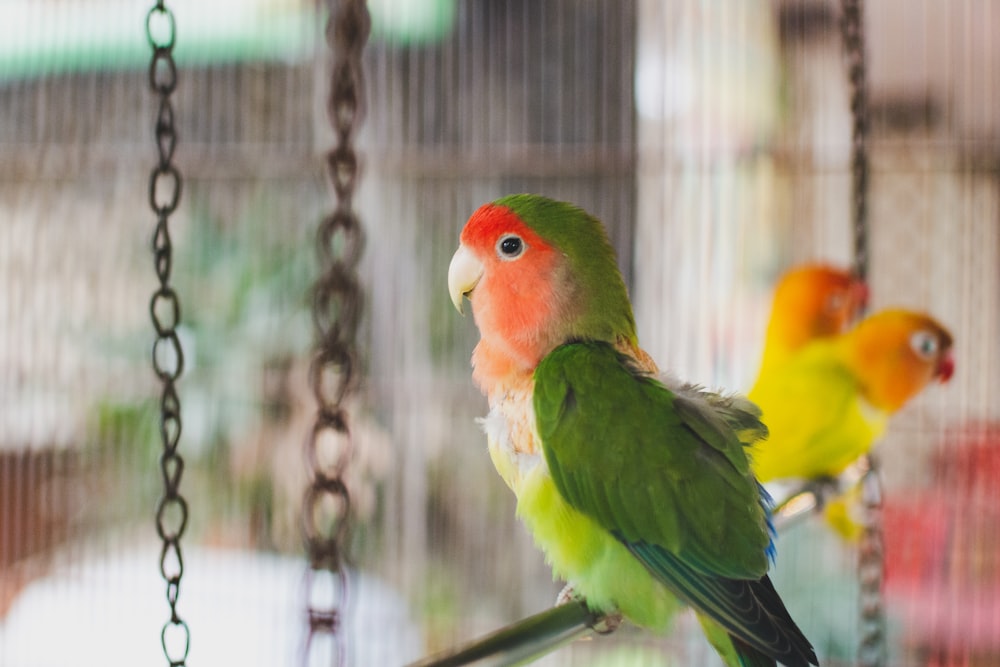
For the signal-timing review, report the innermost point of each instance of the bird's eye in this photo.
(924, 343)
(510, 247)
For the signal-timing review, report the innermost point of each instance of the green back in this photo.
(628, 452)
(667, 476)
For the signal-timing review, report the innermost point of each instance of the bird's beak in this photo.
(859, 296)
(945, 368)
(464, 273)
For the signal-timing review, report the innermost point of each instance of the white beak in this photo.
(464, 273)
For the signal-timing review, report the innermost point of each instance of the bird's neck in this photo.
(497, 367)
(885, 385)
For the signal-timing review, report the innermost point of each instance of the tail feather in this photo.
(793, 649)
(736, 652)
(748, 656)
(750, 610)
(733, 651)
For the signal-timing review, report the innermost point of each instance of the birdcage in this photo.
(281, 184)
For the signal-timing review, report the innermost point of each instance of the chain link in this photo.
(852, 32)
(336, 310)
(165, 310)
(871, 565)
(871, 558)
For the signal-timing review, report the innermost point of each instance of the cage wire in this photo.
(712, 138)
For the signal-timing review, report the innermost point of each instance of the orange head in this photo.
(895, 353)
(811, 301)
(538, 273)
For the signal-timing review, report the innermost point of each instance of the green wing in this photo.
(667, 475)
(647, 463)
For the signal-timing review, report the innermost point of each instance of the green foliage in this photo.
(127, 431)
(244, 284)
(242, 271)
(122, 462)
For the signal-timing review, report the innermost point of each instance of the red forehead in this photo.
(490, 222)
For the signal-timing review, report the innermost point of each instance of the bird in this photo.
(811, 301)
(831, 401)
(637, 487)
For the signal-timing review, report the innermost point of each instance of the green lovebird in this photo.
(637, 488)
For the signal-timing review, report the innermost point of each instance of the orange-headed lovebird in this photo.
(811, 301)
(638, 491)
(828, 403)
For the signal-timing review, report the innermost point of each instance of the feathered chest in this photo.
(511, 434)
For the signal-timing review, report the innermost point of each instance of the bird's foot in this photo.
(602, 623)
(607, 623)
(824, 489)
(566, 595)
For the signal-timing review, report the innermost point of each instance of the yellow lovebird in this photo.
(826, 405)
(811, 301)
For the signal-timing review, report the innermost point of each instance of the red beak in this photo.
(946, 367)
(859, 294)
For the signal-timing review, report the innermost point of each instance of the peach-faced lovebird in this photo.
(830, 402)
(811, 301)
(638, 491)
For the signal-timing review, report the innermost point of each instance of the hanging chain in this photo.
(165, 310)
(852, 31)
(871, 571)
(871, 563)
(337, 305)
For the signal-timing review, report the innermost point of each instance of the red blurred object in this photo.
(916, 534)
(969, 456)
(942, 550)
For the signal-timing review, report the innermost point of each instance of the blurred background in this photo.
(712, 138)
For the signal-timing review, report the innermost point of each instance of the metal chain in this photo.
(165, 310)
(336, 306)
(871, 571)
(852, 32)
(871, 566)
